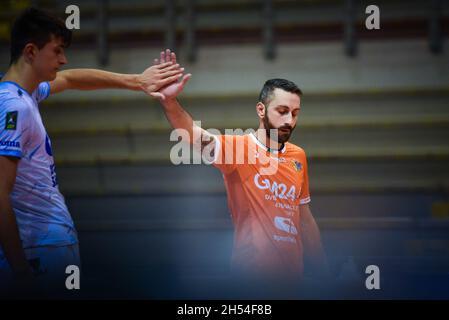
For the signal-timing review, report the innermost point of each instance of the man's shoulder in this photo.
(9, 98)
(15, 108)
(295, 151)
(233, 137)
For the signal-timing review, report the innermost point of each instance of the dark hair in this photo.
(270, 85)
(36, 26)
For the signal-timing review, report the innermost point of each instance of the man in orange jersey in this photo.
(266, 181)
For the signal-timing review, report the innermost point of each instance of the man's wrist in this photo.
(134, 82)
(167, 102)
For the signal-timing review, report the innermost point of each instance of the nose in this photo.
(63, 60)
(288, 120)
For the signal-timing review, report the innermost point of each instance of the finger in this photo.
(172, 73)
(162, 58)
(155, 62)
(157, 95)
(185, 79)
(169, 80)
(168, 66)
(173, 57)
(167, 55)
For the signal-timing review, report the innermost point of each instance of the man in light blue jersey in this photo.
(37, 235)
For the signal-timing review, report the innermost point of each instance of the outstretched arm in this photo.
(175, 113)
(151, 80)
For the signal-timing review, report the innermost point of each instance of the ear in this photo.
(29, 52)
(260, 109)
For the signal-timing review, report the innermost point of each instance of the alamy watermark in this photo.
(198, 146)
(373, 280)
(372, 22)
(73, 20)
(72, 281)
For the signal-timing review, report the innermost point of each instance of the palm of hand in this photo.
(172, 90)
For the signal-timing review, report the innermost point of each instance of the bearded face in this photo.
(283, 132)
(281, 114)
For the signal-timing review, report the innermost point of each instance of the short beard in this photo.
(281, 138)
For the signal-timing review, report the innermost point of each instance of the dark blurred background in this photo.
(374, 124)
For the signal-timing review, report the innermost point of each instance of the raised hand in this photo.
(172, 90)
(159, 75)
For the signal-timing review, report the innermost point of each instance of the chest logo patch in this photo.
(11, 120)
(297, 165)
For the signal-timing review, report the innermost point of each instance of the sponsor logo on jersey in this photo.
(286, 239)
(285, 224)
(12, 144)
(279, 190)
(297, 165)
(11, 120)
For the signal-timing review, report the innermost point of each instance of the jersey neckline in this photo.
(260, 144)
(16, 85)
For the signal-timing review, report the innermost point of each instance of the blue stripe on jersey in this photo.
(11, 153)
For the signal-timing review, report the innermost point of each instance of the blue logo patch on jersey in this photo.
(11, 120)
(297, 165)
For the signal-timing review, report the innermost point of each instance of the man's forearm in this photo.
(10, 240)
(178, 117)
(93, 79)
(313, 245)
(311, 238)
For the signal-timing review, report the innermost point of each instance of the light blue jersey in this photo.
(41, 212)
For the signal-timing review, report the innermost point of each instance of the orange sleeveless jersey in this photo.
(264, 207)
